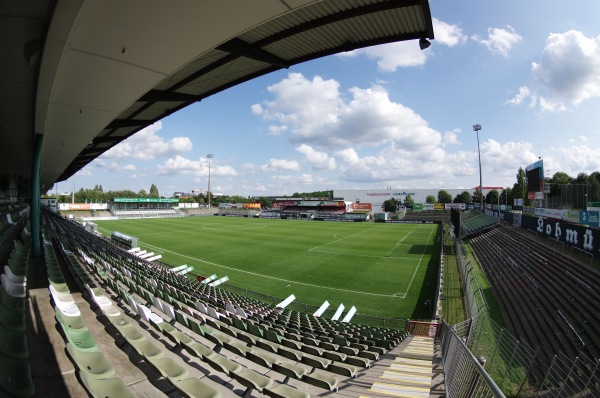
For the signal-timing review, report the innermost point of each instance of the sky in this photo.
(391, 116)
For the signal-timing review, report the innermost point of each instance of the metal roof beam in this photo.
(120, 123)
(243, 49)
(167, 96)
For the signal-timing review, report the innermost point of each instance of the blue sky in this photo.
(391, 115)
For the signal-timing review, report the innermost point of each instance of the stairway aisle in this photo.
(410, 373)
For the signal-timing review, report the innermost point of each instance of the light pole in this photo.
(209, 156)
(476, 128)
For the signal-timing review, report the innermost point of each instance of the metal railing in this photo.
(465, 375)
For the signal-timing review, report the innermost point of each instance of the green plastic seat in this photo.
(147, 348)
(178, 337)
(195, 388)
(322, 381)
(69, 322)
(105, 388)
(15, 378)
(247, 338)
(358, 361)
(132, 334)
(198, 350)
(290, 354)
(335, 356)
(168, 368)
(343, 369)
(222, 364)
(261, 359)
(236, 347)
(267, 345)
(284, 391)
(316, 362)
(13, 320)
(92, 362)
(251, 380)
(218, 338)
(81, 339)
(120, 321)
(10, 302)
(290, 370)
(13, 344)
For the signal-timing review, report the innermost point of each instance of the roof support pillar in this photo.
(36, 197)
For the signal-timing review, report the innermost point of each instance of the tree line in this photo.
(558, 183)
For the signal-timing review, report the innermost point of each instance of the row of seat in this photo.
(15, 372)
(95, 371)
(255, 333)
(248, 378)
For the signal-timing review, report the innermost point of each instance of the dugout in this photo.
(124, 240)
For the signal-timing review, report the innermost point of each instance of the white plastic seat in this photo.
(69, 309)
(14, 290)
(101, 300)
(16, 279)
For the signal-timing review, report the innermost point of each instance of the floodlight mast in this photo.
(209, 157)
(476, 128)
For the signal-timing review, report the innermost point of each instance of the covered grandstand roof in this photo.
(87, 74)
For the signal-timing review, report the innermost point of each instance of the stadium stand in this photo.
(252, 345)
(549, 301)
(429, 215)
(473, 223)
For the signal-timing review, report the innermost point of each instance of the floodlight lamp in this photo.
(424, 43)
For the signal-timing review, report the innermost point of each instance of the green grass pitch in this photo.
(386, 270)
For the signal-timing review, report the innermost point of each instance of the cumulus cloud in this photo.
(406, 54)
(303, 179)
(181, 165)
(567, 73)
(448, 34)
(524, 96)
(316, 114)
(500, 40)
(274, 165)
(501, 159)
(451, 137)
(318, 160)
(569, 69)
(116, 167)
(580, 158)
(147, 145)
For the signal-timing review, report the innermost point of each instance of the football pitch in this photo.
(386, 270)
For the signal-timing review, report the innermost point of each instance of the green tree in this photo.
(475, 197)
(444, 196)
(506, 196)
(463, 197)
(409, 201)
(430, 199)
(519, 189)
(390, 205)
(265, 203)
(492, 197)
(153, 191)
(142, 193)
(594, 187)
(559, 178)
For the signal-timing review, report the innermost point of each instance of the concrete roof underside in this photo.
(87, 74)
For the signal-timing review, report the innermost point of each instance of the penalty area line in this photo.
(275, 278)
